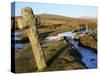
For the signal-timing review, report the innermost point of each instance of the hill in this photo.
(52, 19)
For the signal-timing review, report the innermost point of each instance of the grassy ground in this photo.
(59, 56)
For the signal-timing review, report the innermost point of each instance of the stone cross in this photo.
(28, 23)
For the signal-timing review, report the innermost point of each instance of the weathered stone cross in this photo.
(28, 23)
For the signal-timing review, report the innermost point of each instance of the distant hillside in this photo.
(62, 19)
(52, 19)
(49, 19)
(93, 19)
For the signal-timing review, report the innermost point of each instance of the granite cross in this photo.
(28, 23)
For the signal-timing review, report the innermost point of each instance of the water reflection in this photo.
(17, 45)
(88, 56)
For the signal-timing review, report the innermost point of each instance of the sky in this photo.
(58, 9)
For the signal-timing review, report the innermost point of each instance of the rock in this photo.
(88, 41)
